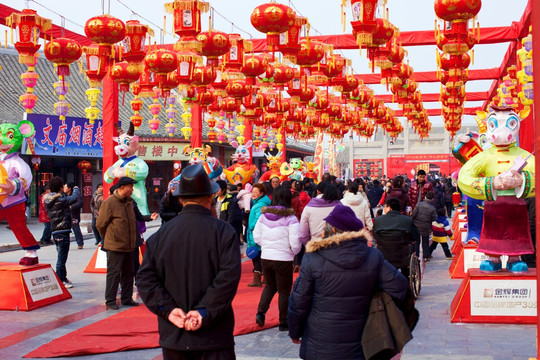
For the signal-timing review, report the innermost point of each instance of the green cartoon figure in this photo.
(15, 179)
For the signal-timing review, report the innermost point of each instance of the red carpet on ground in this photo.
(136, 328)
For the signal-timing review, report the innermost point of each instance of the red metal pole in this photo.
(536, 116)
(196, 126)
(110, 119)
(248, 134)
(284, 149)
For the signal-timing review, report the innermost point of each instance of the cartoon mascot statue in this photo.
(129, 164)
(242, 171)
(274, 165)
(15, 179)
(200, 155)
(503, 175)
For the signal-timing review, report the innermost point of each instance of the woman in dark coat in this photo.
(169, 206)
(330, 301)
(397, 191)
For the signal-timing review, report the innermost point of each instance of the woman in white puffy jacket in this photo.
(353, 199)
(277, 234)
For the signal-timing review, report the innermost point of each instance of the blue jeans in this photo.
(95, 231)
(77, 232)
(62, 248)
(46, 236)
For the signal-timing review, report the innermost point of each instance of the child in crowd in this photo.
(441, 230)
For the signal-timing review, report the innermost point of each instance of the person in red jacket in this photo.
(419, 188)
(44, 218)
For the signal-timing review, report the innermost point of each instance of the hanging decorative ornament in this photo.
(272, 19)
(30, 26)
(62, 52)
(186, 117)
(136, 105)
(61, 107)
(84, 166)
(155, 109)
(214, 43)
(171, 115)
(105, 30)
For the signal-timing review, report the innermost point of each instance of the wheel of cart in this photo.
(415, 273)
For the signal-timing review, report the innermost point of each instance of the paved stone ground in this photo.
(434, 337)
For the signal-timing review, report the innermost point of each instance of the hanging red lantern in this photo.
(97, 63)
(133, 45)
(254, 65)
(233, 59)
(203, 75)
(272, 19)
(238, 89)
(187, 16)
(457, 10)
(105, 29)
(282, 74)
(289, 41)
(214, 44)
(62, 52)
(161, 61)
(30, 26)
(125, 73)
(363, 20)
(310, 53)
(84, 166)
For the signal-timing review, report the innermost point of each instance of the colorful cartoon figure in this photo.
(274, 163)
(129, 164)
(310, 171)
(298, 169)
(503, 175)
(465, 148)
(199, 155)
(242, 170)
(16, 178)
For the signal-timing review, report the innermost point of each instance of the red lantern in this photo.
(136, 120)
(272, 19)
(125, 73)
(186, 63)
(233, 59)
(238, 89)
(363, 20)
(187, 16)
(97, 63)
(84, 166)
(289, 41)
(214, 44)
(254, 65)
(133, 45)
(30, 27)
(203, 75)
(105, 29)
(147, 82)
(309, 54)
(457, 10)
(161, 61)
(282, 74)
(62, 52)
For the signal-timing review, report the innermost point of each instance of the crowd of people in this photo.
(336, 234)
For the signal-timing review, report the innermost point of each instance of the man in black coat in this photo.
(375, 193)
(190, 273)
(394, 234)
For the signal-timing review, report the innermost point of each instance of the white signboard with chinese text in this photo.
(503, 297)
(42, 284)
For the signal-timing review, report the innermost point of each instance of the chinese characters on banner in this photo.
(503, 297)
(161, 151)
(71, 137)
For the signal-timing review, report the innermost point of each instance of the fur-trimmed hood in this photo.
(274, 212)
(318, 244)
(346, 250)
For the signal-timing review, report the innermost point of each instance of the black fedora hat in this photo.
(195, 182)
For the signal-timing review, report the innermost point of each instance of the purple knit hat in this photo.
(343, 218)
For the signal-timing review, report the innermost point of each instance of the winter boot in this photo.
(259, 319)
(256, 280)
